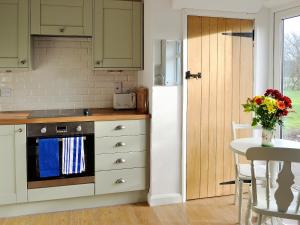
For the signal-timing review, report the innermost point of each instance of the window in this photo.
(287, 71)
(287, 67)
(291, 75)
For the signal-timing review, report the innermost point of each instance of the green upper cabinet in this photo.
(118, 32)
(14, 33)
(62, 17)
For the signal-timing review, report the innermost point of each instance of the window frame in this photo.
(279, 18)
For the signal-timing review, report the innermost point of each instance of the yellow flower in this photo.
(270, 104)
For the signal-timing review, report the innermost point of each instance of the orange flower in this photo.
(281, 105)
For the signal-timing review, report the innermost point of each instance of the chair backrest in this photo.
(235, 128)
(283, 194)
(239, 126)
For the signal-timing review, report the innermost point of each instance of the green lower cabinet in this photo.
(118, 34)
(13, 189)
(62, 17)
(14, 33)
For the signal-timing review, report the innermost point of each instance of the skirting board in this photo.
(164, 199)
(72, 204)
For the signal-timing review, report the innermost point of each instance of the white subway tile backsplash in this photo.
(62, 77)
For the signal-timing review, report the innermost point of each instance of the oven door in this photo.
(35, 180)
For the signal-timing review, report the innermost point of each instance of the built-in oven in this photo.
(39, 135)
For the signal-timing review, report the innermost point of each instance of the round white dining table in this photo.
(240, 146)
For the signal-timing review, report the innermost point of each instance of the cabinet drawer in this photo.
(51, 193)
(120, 128)
(120, 144)
(120, 161)
(120, 181)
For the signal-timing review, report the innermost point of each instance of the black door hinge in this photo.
(242, 34)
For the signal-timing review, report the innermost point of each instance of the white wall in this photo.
(161, 22)
(263, 57)
(251, 6)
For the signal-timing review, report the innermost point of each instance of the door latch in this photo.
(188, 75)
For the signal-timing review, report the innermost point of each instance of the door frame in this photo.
(185, 14)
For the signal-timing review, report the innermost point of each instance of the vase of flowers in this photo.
(269, 111)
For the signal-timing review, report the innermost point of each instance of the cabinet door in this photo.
(8, 193)
(61, 17)
(21, 163)
(14, 34)
(13, 187)
(118, 34)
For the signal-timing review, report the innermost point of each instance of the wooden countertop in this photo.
(12, 118)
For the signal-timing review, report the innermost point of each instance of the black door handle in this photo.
(188, 75)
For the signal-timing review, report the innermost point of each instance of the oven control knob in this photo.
(43, 130)
(79, 128)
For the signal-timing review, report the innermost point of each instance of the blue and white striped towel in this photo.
(73, 161)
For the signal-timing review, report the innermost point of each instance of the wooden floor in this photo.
(214, 211)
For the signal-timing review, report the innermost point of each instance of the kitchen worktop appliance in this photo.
(59, 113)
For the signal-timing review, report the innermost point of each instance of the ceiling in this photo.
(250, 6)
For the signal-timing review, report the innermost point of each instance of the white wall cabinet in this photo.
(14, 33)
(118, 34)
(13, 189)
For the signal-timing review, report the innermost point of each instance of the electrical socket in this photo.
(5, 92)
(118, 87)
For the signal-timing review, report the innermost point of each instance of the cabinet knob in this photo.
(61, 30)
(120, 144)
(79, 128)
(23, 61)
(120, 127)
(20, 130)
(44, 130)
(120, 181)
(98, 62)
(120, 161)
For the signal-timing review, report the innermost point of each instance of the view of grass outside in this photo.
(291, 76)
(291, 82)
(291, 129)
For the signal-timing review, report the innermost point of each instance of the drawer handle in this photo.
(120, 127)
(120, 144)
(120, 161)
(120, 181)
(61, 30)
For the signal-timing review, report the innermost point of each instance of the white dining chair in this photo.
(242, 170)
(280, 200)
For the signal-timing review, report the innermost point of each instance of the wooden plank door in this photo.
(214, 101)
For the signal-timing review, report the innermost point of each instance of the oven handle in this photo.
(59, 139)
